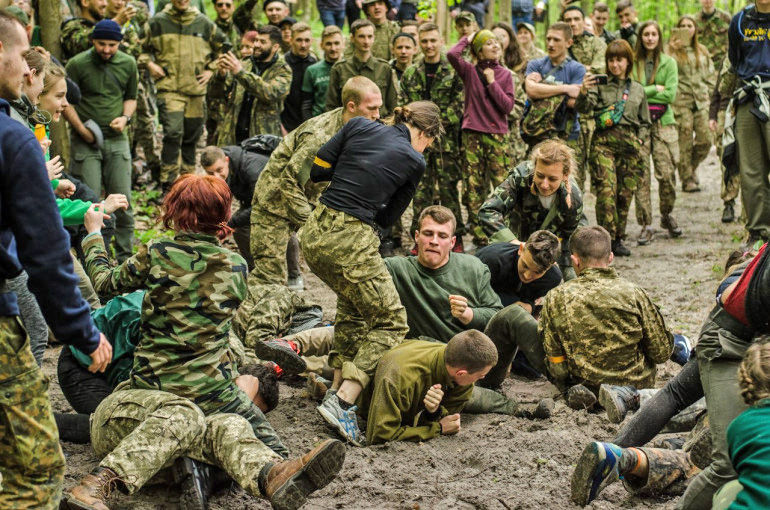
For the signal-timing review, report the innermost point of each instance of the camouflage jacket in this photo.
(194, 287)
(377, 70)
(284, 187)
(383, 35)
(269, 89)
(636, 112)
(446, 91)
(231, 31)
(185, 44)
(513, 211)
(712, 33)
(75, 37)
(601, 329)
(135, 32)
(589, 50)
(695, 82)
(535, 53)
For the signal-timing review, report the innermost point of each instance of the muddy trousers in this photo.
(182, 119)
(669, 472)
(31, 459)
(680, 392)
(343, 252)
(139, 432)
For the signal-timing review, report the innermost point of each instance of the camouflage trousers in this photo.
(519, 147)
(139, 432)
(731, 188)
(616, 172)
(216, 108)
(487, 163)
(663, 146)
(695, 141)
(31, 459)
(273, 248)
(669, 472)
(343, 252)
(582, 148)
(182, 119)
(438, 186)
(142, 129)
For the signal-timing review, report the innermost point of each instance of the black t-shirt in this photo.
(373, 169)
(430, 75)
(503, 260)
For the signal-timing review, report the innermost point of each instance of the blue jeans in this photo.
(330, 17)
(517, 17)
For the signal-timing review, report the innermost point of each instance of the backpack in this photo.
(261, 144)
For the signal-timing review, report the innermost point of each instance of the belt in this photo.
(726, 321)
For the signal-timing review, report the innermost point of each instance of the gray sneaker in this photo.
(296, 283)
(345, 422)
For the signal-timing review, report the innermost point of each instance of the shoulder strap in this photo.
(551, 212)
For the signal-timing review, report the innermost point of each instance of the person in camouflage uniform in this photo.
(696, 81)
(616, 165)
(525, 34)
(712, 24)
(156, 428)
(588, 50)
(362, 63)
(599, 328)
(660, 77)
(720, 98)
(284, 195)
(179, 54)
(135, 30)
(184, 347)
(76, 32)
(259, 86)
(517, 207)
(444, 87)
(376, 11)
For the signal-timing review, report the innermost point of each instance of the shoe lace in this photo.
(107, 487)
(350, 422)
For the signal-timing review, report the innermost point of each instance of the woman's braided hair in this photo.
(754, 372)
(423, 115)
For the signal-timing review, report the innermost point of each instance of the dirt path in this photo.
(496, 462)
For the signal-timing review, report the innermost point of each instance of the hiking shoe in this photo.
(295, 283)
(542, 411)
(618, 400)
(458, 247)
(645, 236)
(728, 213)
(93, 491)
(682, 349)
(669, 223)
(596, 468)
(317, 386)
(619, 250)
(192, 478)
(579, 397)
(287, 484)
(690, 186)
(284, 353)
(345, 422)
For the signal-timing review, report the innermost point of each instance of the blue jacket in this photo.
(32, 237)
(749, 45)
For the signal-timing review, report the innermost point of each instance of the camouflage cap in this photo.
(526, 25)
(17, 13)
(466, 16)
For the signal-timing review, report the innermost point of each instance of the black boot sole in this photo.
(284, 357)
(316, 474)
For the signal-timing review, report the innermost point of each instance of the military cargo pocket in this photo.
(357, 273)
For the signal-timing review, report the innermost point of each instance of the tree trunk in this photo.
(505, 11)
(49, 18)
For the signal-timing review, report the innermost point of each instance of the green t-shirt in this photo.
(316, 82)
(103, 86)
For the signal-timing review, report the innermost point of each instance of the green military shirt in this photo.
(75, 37)
(383, 36)
(393, 403)
(712, 33)
(377, 70)
(103, 86)
(231, 32)
(696, 82)
(589, 50)
(316, 82)
(514, 211)
(601, 329)
(284, 187)
(446, 91)
(636, 112)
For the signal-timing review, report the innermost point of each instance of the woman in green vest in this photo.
(659, 75)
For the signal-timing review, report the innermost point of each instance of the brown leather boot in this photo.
(287, 484)
(93, 491)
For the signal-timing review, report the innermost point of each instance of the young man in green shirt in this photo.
(315, 83)
(107, 79)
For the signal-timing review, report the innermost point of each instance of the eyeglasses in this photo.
(223, 4)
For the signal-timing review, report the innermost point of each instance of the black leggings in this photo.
(84, 391)
(680, 392)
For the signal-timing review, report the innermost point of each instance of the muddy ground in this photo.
(496, 462)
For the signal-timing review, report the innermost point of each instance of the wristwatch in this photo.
(128, 119)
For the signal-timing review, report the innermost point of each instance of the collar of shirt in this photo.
(599, 272)
(369, 64)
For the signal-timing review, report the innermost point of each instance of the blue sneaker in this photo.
(345, 422)
(682, 350)
(596, 469)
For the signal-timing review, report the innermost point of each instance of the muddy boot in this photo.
(541, 411)
(579, 397)
(699, 446)
(669, 223)
(645, 236)
(284, 353)
(287, 484)
(619, 250)
(686, 419)
(597, 467)
(317, 386)
(728, 213)
(93, 491)
(192, 478)
(618, 400)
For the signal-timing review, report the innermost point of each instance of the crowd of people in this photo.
(174, 349)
